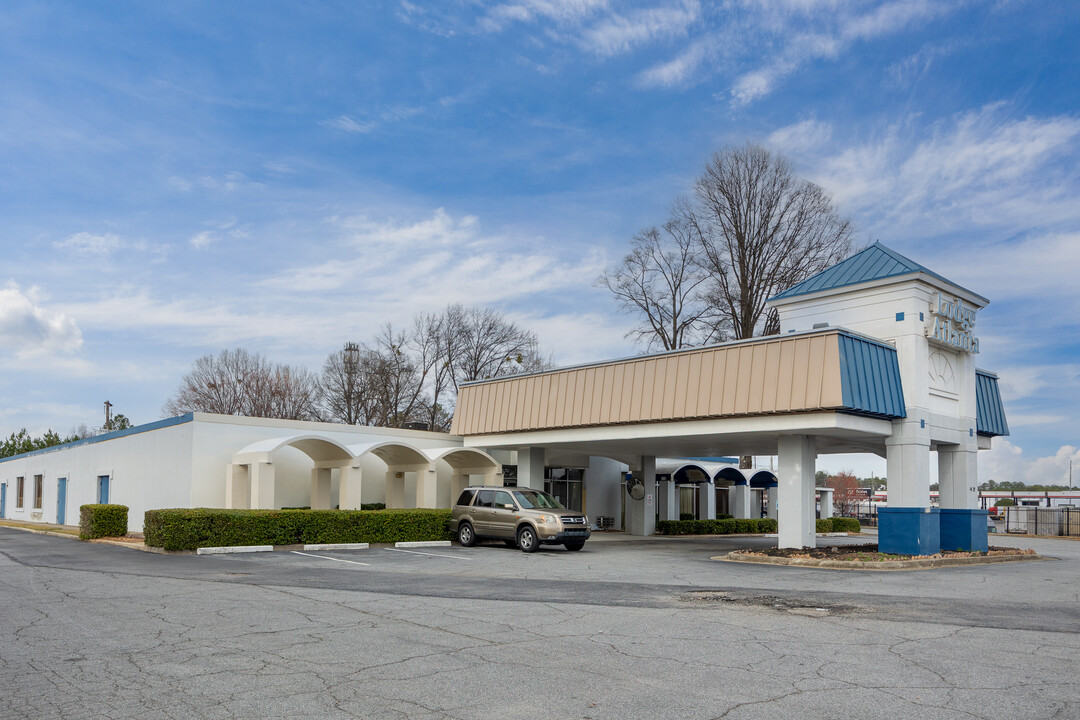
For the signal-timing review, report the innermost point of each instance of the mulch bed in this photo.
(869, 553)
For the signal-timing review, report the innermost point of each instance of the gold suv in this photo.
(520, 517)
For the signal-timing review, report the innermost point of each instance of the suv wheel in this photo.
(527, 540)
(574, 546)
(465, 535)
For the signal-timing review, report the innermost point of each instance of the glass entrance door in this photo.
(565, 484)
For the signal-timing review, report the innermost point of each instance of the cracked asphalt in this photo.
(647, 628)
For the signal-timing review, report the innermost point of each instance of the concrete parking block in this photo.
(338, 546)
(234, 549)
(423, 543)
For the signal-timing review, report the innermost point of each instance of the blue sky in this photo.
(176, 178)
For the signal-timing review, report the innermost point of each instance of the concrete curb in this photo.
(876, 566)
(36, 531)
(423, 543)
(234, 549)
(829, 534)
(338, 546)
(133, 546)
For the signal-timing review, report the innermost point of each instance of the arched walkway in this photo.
(249, 478)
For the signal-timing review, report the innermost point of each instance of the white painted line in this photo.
(413, 552)
(234, 549)
(423, 543)
(338, 546)
(323, 557)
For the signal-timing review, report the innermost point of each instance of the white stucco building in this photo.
(876, 354)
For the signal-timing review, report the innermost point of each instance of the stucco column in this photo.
(530, 467)
(493, 477)
(771, 502)
(907, 457)
(262, 485)
(826, 502)
(349, 488)
(741, 496)
(426, 487)
(458, 482)
(665, 496)
(641, 514)
(958, 483)
(796, 491)
(237, 486)
(320, 489)
(706, 501)
(395, 487)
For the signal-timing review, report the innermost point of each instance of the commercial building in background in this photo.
(876, 354)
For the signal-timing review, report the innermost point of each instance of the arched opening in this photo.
(268, 474)
(410, 480)
(457, 468)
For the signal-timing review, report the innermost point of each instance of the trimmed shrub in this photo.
(845, 524)
(687, 516)
(824, 526)
(98, 521)
(725, 526)
(724, 516)
(189, 529)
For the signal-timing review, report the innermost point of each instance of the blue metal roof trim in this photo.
(870, 378)
(876, 262)
(989, 411)
(146, 427)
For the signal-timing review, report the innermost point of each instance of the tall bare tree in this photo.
(489, 345)
(238, 382)
(663, 281)
(344, 386)
(762, 229)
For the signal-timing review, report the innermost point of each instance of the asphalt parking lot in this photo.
(649, 628)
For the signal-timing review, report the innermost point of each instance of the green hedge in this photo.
(183, 529)
(839, 524)
(98, 521)
(843, 524)
(728, 526)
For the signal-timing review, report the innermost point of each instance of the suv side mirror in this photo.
(508, 506)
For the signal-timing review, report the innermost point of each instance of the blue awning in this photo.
(989, 412)
(870, 377)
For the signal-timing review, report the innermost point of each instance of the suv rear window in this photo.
(466, 497)
(486, 499)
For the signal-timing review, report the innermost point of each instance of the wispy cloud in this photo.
(620, 33)
(560, 11)
(348, 124)
(680, 69)
(90, 243)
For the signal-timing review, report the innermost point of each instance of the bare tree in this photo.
(663, 280)
(489, 345)
(396, 379)
(762, 230)
(237, 382)
(846, 492)
(344, 386)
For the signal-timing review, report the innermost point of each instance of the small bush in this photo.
(824, 526)
(724, 516)
(189, 529)
(98, 521)
(687, 516)
(724, 526)
(843, 524)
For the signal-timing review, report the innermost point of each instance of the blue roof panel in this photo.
(870, 378)
(876, 262)
(989, 411)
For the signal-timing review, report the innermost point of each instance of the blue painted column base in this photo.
(909, 530)
(964, 530)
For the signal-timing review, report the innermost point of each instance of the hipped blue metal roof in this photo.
(876, 262)
(989, 412)
(870, 377)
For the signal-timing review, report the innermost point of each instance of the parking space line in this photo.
(324, 557)
(415, 552)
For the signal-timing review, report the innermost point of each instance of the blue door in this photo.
(61, 501)
(103, 489)
(3, 500)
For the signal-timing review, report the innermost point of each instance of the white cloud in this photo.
(89, 243)
(680, 69)
(1007, 462)
(980, 168)
(28, 329)
(618, 34)
(202, 239)
(525, 11)
(800, 137)
(346, 123)
(804, 32)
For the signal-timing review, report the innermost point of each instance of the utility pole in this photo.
(108, 416)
